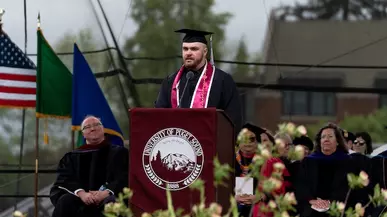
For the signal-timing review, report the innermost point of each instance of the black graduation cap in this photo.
(192, 35)
(303, 140)
(258, 131)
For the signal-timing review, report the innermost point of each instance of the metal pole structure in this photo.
(36, 156)
(23, 112)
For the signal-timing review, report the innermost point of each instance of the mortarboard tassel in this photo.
(45, 136)
(211, 52)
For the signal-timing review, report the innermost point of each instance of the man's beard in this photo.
(193, 64)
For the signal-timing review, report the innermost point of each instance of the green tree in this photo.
(373, 123)
(241, 72)
(335, 10)
(157, 20)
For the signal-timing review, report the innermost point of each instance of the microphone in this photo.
(189, 75)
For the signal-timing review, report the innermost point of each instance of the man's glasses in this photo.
(87, 127)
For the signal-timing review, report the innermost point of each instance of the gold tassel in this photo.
(45, 137)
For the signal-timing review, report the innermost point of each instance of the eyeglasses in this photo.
(359, 143)
(288, 144)
(87, 127)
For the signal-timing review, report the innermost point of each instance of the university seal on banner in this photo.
(173, 159)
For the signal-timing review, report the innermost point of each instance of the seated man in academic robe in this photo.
(90, 176)
(199, 84)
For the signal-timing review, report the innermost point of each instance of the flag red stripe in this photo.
(15, 77)
(17, 103)
(22, 90)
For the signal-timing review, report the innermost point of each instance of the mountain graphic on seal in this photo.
(173, 167)
(178, 162)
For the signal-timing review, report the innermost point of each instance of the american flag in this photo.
(17, 76)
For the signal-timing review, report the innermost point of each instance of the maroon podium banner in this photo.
(170, 149)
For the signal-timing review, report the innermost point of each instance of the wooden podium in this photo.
(170, 149)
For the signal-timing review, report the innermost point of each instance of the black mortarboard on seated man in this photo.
(192, 35)
(258, 131)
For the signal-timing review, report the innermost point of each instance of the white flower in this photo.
(359, 209)
(126, 190)
(363, 177)
(116, 207)
(216, 208)
(244, 130)
(340, 206)
(290, 128)
(272, 204)
(301, 129)
(279, 166)
(265, 153)
(280, 143)
(284, 214)
(17, 214)
(300, 152)
(257, 158)
(384, 193)
(275, 182)
(290, 198)
(145, 214)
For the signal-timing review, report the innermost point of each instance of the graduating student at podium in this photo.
(90, 176)
(198, 83)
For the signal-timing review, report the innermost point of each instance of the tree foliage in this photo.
(374, 123)
(244, 72)
(157, 20)
(335, 10)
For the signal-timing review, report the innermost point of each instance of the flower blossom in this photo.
(301, 130)
(363, 177)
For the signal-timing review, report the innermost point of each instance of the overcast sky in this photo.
(61, 16)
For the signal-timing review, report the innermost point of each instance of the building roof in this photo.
(332, 42)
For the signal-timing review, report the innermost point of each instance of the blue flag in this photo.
(88, 99)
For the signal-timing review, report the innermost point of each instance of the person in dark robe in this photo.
(207, 85)
(322, 176)
(90, 176)
(362, 148)
(244, 157)
(379, 176)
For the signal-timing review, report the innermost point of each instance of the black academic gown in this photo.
(223, 95)
(361, 162)
(88, 170)
(324, 177)
(379, 176)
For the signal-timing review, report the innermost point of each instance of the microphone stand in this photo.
(185, 87)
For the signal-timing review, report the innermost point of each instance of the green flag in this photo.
(54, 83)
(80, 141)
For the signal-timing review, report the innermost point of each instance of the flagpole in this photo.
(36, 155)
(23, 112)
(73, 139)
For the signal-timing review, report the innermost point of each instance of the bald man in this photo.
(90, 176)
